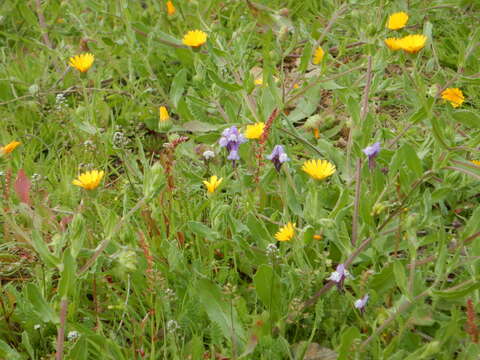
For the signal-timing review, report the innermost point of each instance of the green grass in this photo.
(150, 266)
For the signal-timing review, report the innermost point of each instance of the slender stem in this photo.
(43, 24)
(61, 329)
(356, 203)
(101, 247)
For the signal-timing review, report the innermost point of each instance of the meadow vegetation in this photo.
(230, 179)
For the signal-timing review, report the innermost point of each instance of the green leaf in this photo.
(40, 306)
(67, 279)
(412, 159)
(6, 352)
(223, 84)
(178, 86)
(400, 276)
(220, 311)
(467, 117)
(348, 336)
(42, 249)
(258, 231)
(268, 289)
(458, 292)
(306, 57)
(196, 126)
(27, 345)
(202, 230)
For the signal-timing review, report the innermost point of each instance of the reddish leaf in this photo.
(22, 187)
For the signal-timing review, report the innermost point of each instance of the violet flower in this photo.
(372, 152)
(231, 139)
(278, 157)
(339, 276)
(361, 303)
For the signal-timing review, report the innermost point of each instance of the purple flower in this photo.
(339, 275)
(361, 303)
(372, 152)
(231, 139)
(278, 157)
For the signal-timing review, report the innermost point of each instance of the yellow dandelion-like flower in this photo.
(213, 184)
(170, 8)
(454, 95)
(194, 38)
(163, 114)
(476, 162)
(254, 131)
(412, 43)
(316, 133)
(318, 169)
(296, 86)
(393, 43)
(258, 81)
(318, 56)
(397, 20)
(317, 237)
(82, 62)
(89, 180)
(286, 232)
(7, 149)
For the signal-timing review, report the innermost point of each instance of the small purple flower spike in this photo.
(339, 276)
(361, 303)
(278, 157)
(372, 152)
(231, 139)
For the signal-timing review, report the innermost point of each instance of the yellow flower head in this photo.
(254, 131)
(82, 62)
(393, 43)
(7, 149)
(317, 237)
(170, 8)
(213, 184)
(318, 169)
(286, 232)
(194, 38)
(412, 43)
(89, 180)
(397, 20)
(258, 81)
(318, 55)
(454, 95)
(476, 162)
(163, 114)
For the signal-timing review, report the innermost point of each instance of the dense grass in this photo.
(151, 265)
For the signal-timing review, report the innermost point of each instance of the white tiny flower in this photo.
(172, 326)
(335, 276)
(208, 154)
(37, 326)
(72, 335)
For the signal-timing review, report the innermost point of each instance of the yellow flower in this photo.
(258, 81)
(318, 169)
(318, 56)
(393, 43)
(397, 20)
(194, 38)
(89, 180)
(7, 149)
(254, 131)
(317, 237)
(213, 184)
(476, 162)
(286, 232)
(412, 43)
(296, 86)
(163, 114)
(82, 62)
(170, 8)
(454, 95)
